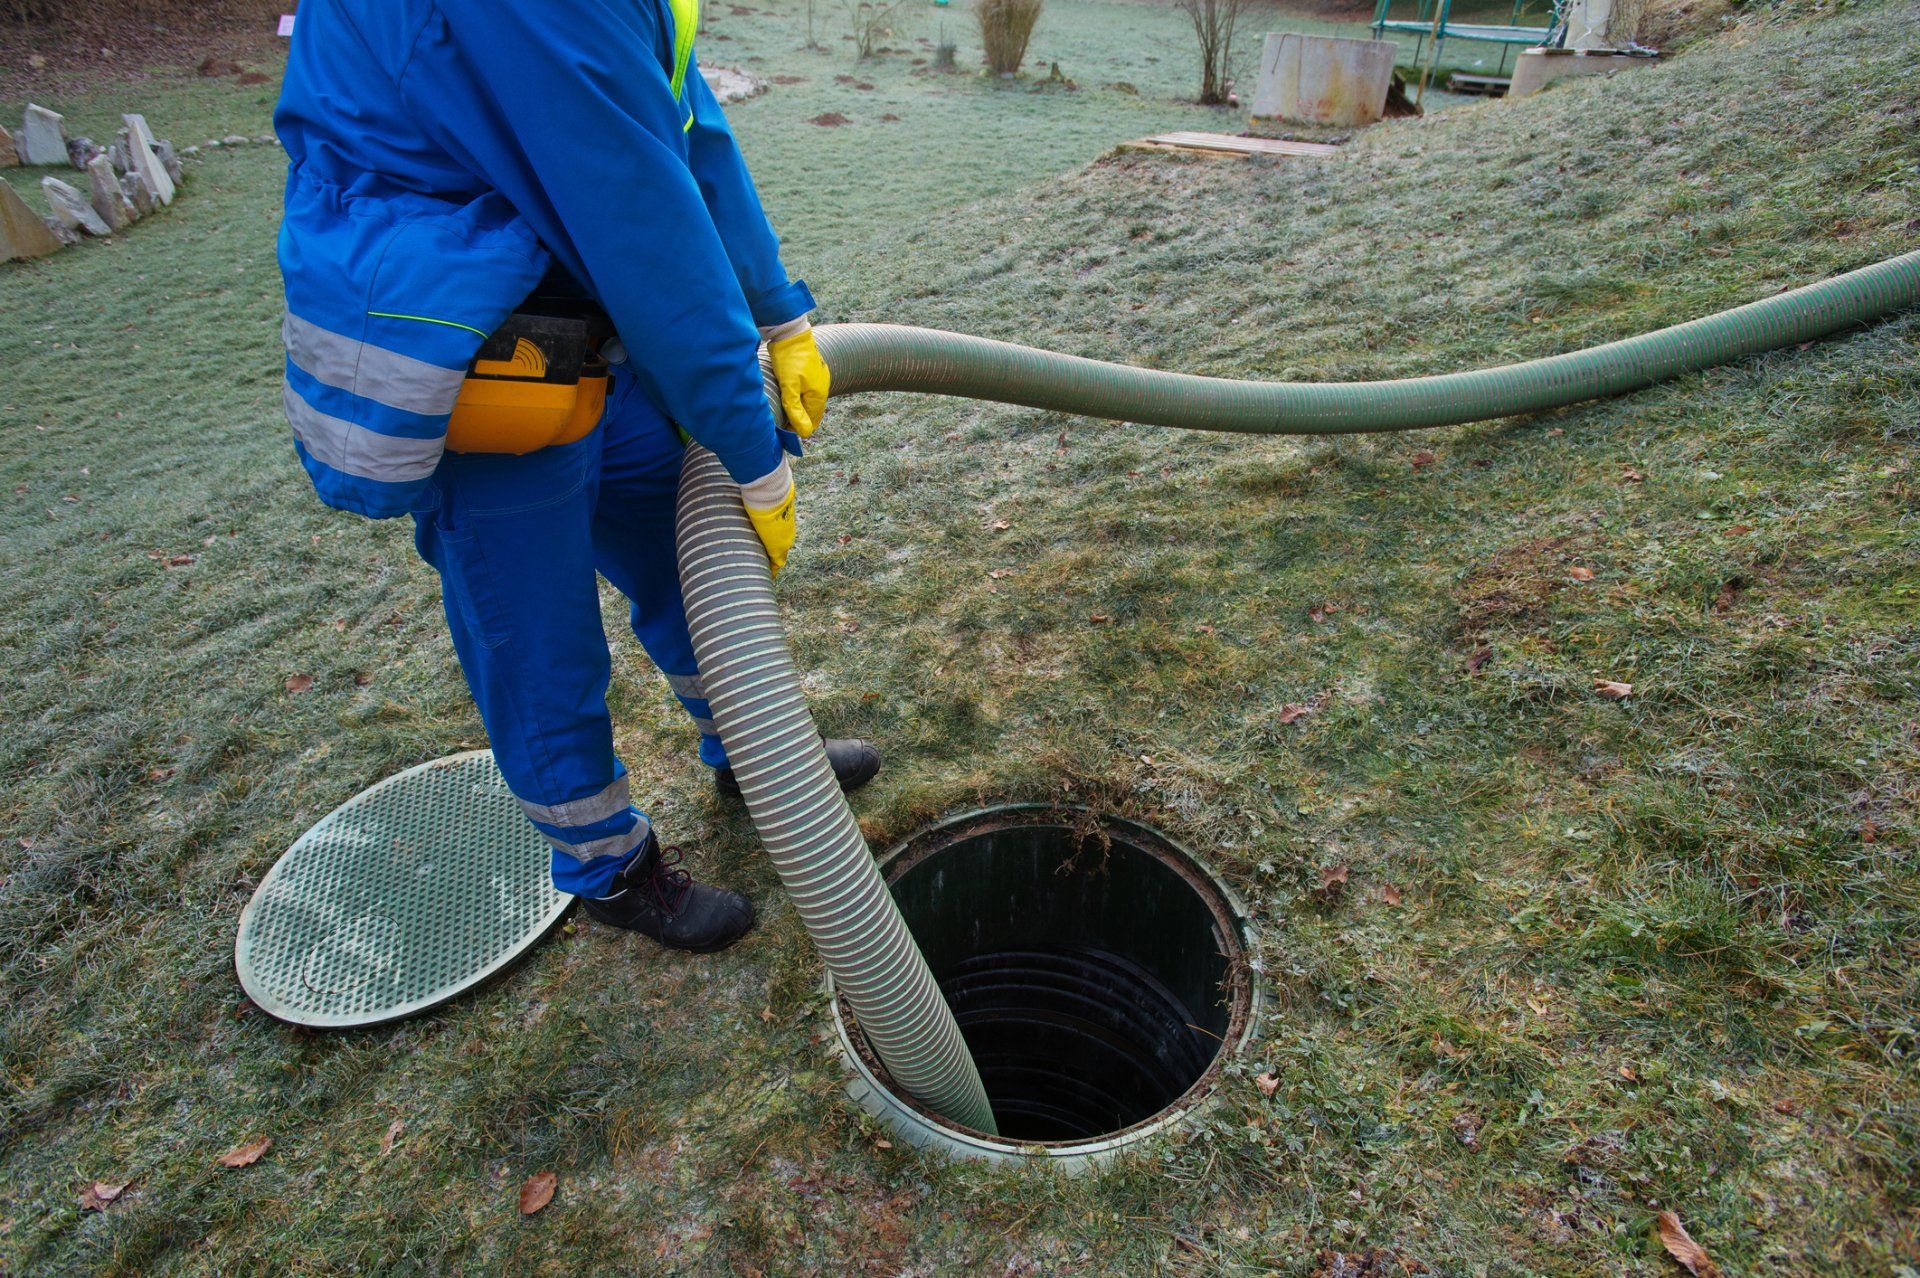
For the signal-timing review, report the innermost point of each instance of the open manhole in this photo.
(1099, 972)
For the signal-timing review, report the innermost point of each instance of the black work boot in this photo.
(656, 898)
(855, 762)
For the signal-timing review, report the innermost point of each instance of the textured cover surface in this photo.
(404, 896)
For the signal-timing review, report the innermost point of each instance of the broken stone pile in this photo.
(124, 182)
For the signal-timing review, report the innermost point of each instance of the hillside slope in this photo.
(1594, 958)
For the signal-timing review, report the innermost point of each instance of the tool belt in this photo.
(539, 379)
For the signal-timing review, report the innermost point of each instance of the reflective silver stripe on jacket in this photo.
(354, 450)
(613, 845)
(611, 801)
(687, 686)
(372, 372)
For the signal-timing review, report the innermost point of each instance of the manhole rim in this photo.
(557, 911)
(925, 1130)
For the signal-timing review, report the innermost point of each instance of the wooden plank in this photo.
(1227, 143)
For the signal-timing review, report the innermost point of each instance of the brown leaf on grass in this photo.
(362, 679)
(1632, 476)
(1390, 894)
(1735, 530)
(537, 1192)
(1629, 1074)
(97, 1195)
(1612, 690)
(299, 682)
(1466, 1129)
(394, 1129)
(1423, 459)
(1100, 618)
(1869, 831)
(1580, 574)
(1296, 710)
(1480, 657)
(1333, 882)
(1680, 1245)
(1001, 525)
(1268, 1083)
(248, 1154)
(998, 573)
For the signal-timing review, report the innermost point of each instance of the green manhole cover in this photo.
(401, 898)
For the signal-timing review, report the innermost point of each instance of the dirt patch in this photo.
(829, 120)
(1514, 586)
(83, 51)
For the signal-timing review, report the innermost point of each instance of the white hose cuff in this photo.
(792, 328)
(770, 489)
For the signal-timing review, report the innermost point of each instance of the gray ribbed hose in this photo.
(790, 790)
(796, 805)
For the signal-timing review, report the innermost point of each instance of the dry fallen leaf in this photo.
(394, 1129)
(248, 1154)
(299, 682)
(1333, 881)
(537, 1192)
(1099, 617)
(1629, 1073)
(1423, 459)
(1631, 475)
(362, 679)
(1735, 530)
(883, 1144)
(1466, 1130)
(96, 1196)
(1612, 690)
(1001, 525)
(1479, 658)
(1580, 574)
(998, 573)
(1390, 894)
(1680, 1245)
(1268, 1083)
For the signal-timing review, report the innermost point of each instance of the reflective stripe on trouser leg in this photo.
(512, 540)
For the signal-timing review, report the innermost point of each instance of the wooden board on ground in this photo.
(1492, 86)
(1228, 144)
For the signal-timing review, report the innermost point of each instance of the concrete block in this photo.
(142, 159)
(9, 151)
(1535, 69)
(1323, 79)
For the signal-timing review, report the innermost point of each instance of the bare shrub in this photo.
(1213, 24)
(1005, 28)
(873, 21)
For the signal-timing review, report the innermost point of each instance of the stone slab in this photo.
(72, 209)
(1323, 79)
(9, 152)
(43, 136)
(22, 233)
(139, 194)
(142, 159)
(108, 197)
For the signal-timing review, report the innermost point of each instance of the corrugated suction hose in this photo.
(790, 790)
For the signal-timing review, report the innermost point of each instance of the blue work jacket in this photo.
(443, 156)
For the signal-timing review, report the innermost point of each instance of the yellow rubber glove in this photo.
(802, 375)
(769, 502)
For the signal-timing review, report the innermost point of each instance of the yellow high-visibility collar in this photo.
(686, 21)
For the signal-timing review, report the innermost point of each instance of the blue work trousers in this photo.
(517, 541)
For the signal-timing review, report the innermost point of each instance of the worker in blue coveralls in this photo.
(462, 171)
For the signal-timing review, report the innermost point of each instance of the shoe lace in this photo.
(668, 885)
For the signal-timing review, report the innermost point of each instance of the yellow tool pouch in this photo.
(537, 380)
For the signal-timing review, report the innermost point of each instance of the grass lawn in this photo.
(1596, 958)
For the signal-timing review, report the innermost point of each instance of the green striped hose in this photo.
(887, 357)
(796, 805)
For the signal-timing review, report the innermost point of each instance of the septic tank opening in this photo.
(1097, 970)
